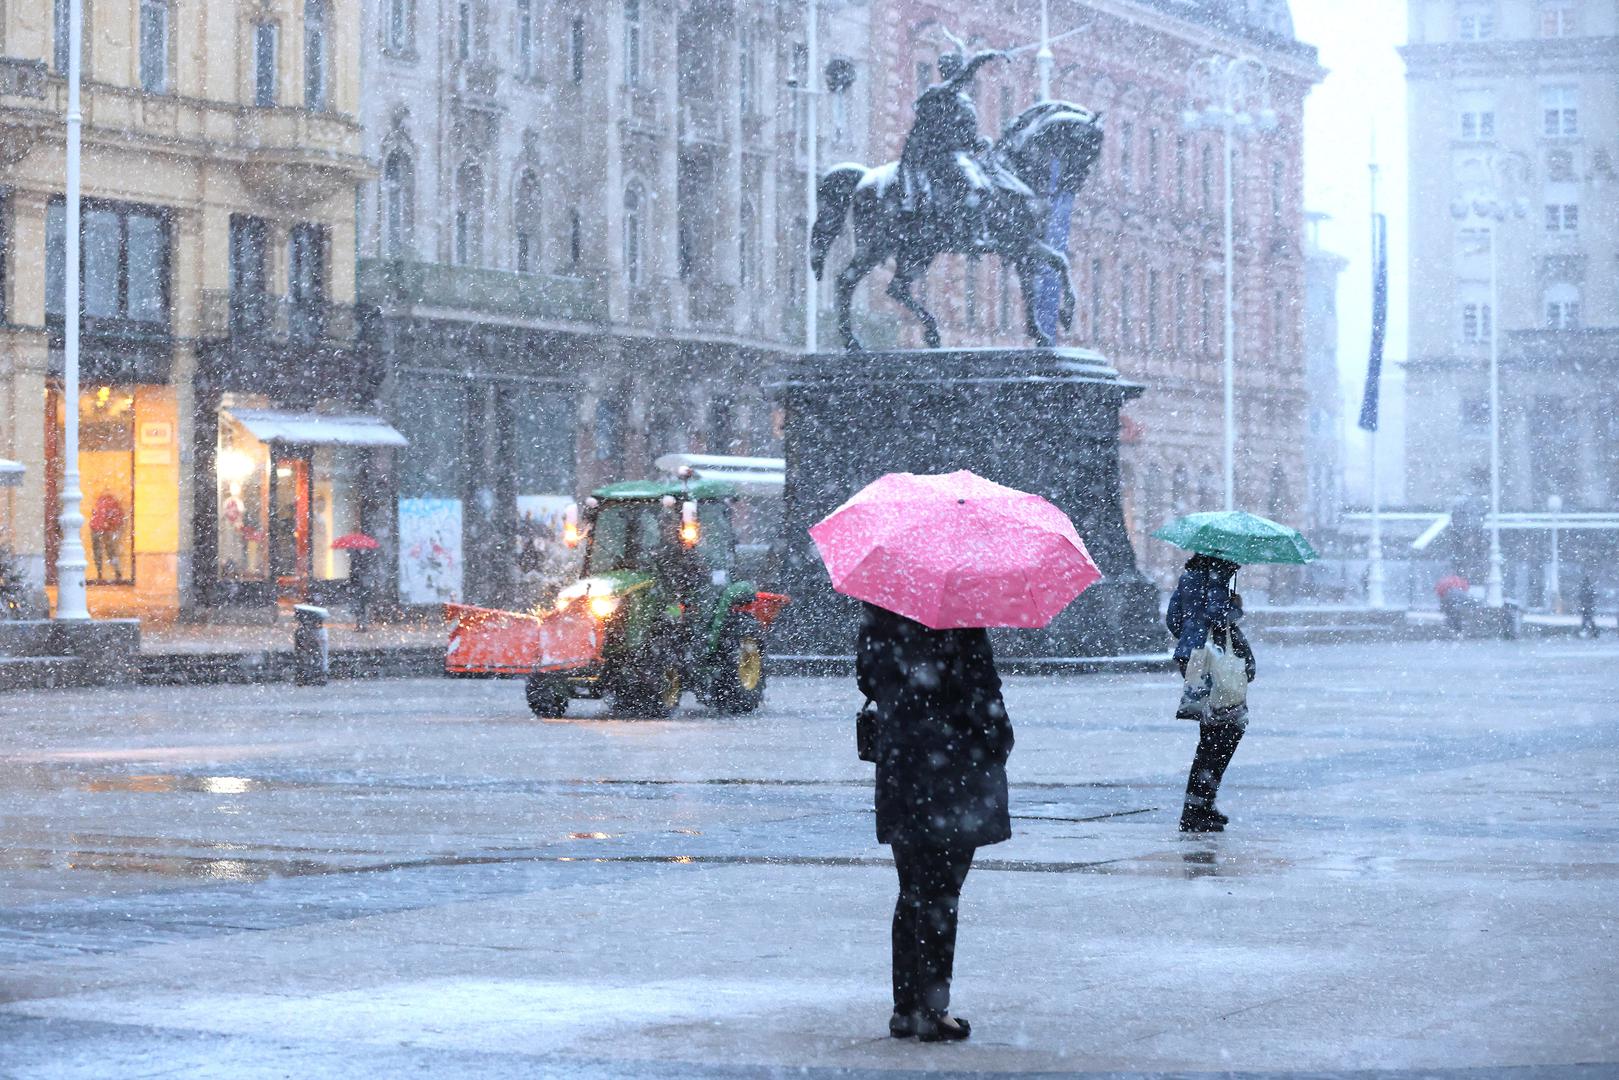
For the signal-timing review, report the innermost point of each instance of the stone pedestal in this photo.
(1042, 420)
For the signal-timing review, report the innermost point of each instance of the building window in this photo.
(316, 59)
(1180, 171)
(1560, 111)
(1562, 307)
(306, 281)
(154, 46)
(1562, 217)
(526, 230)
(123, 265)
(1205, 323)
(524, 46)
(634, 233)
(744, 69)
(632, 42)
(1475, 22)
(397, 26)
(969, 291)
(1559, 18)
(264, 48)
(1096, 300)
(1178, 331)
(800, 98)
(575, 238)
(1278, 190)
(463, 30)
(576, 50)
(746, 252)
(1127, 324)
(1207, 176)
(1003, 303)
(1152, 309)
(1127, 139)
(60, 25)
(1477, 125)
(1475, 323)
(398, 203)
(468, 235)
(249, 280)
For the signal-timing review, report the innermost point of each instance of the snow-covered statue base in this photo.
(1043, 420)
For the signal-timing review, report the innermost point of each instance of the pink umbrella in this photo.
(954, 550)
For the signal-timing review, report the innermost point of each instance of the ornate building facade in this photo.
(221, 152)
(1146, 244)
(583, 247)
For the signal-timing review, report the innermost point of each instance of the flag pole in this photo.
(1375, 597)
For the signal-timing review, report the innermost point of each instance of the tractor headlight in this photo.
(603, 606)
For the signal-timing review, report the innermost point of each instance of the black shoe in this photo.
(901, 1025)
(1214, 812)
(1201, 821)
(942, 1028)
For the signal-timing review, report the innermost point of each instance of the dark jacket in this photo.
(942, 733)
(1203, 600)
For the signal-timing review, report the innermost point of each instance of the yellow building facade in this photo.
(221, 155)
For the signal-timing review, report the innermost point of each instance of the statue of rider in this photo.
(939, 169)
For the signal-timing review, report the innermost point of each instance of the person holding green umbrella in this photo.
(1203, 615)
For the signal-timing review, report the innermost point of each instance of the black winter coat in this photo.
(942, 733)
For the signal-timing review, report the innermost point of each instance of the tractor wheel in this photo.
(738, 683)
(652, 693)
(547, 694)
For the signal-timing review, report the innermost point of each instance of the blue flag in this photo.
(1380, 315)
(1047, 291)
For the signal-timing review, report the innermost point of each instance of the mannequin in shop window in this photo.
(106, 536)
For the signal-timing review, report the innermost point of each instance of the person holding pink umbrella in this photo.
(936, 559)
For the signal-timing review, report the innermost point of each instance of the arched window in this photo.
(634, 233)
(468, 239)
(744, 69)
(526, 223)
(398, 203)
(316, 55)
(632, 42)
(1562, 307)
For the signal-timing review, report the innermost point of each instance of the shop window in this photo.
(242, 467)
(334, 508)
(124, 263)
(107, 478)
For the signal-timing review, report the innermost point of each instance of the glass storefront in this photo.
(242, 467)
(106, 477)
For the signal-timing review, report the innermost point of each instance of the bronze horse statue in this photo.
(1049, 148)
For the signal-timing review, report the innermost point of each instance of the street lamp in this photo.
(1222, 92)
(70, 561)
(1490, 206)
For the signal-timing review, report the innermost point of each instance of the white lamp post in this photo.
(1221, 94)
(1044, 58)
(812, 62)
(1554, 589)
(70, 561)
(1490, 207)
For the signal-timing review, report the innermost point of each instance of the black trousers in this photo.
(925, 924)
(1215, 745)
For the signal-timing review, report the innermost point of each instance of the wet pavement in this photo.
(381, 878)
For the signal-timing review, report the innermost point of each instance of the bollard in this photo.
(309, 649)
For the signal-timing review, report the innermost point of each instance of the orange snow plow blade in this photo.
(765, 607)
(484, 641)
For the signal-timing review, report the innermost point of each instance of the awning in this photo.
(317, 429)
(11, 472)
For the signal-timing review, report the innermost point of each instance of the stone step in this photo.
(38, 672)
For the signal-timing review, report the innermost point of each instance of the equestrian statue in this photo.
(952, 191)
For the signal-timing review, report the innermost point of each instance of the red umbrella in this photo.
(955, 550)
(355, 541)
(1450, 583)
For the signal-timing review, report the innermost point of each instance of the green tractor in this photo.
(655, 612)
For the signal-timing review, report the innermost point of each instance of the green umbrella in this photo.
(1238, 537)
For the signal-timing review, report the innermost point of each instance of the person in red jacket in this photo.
(106, 535)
